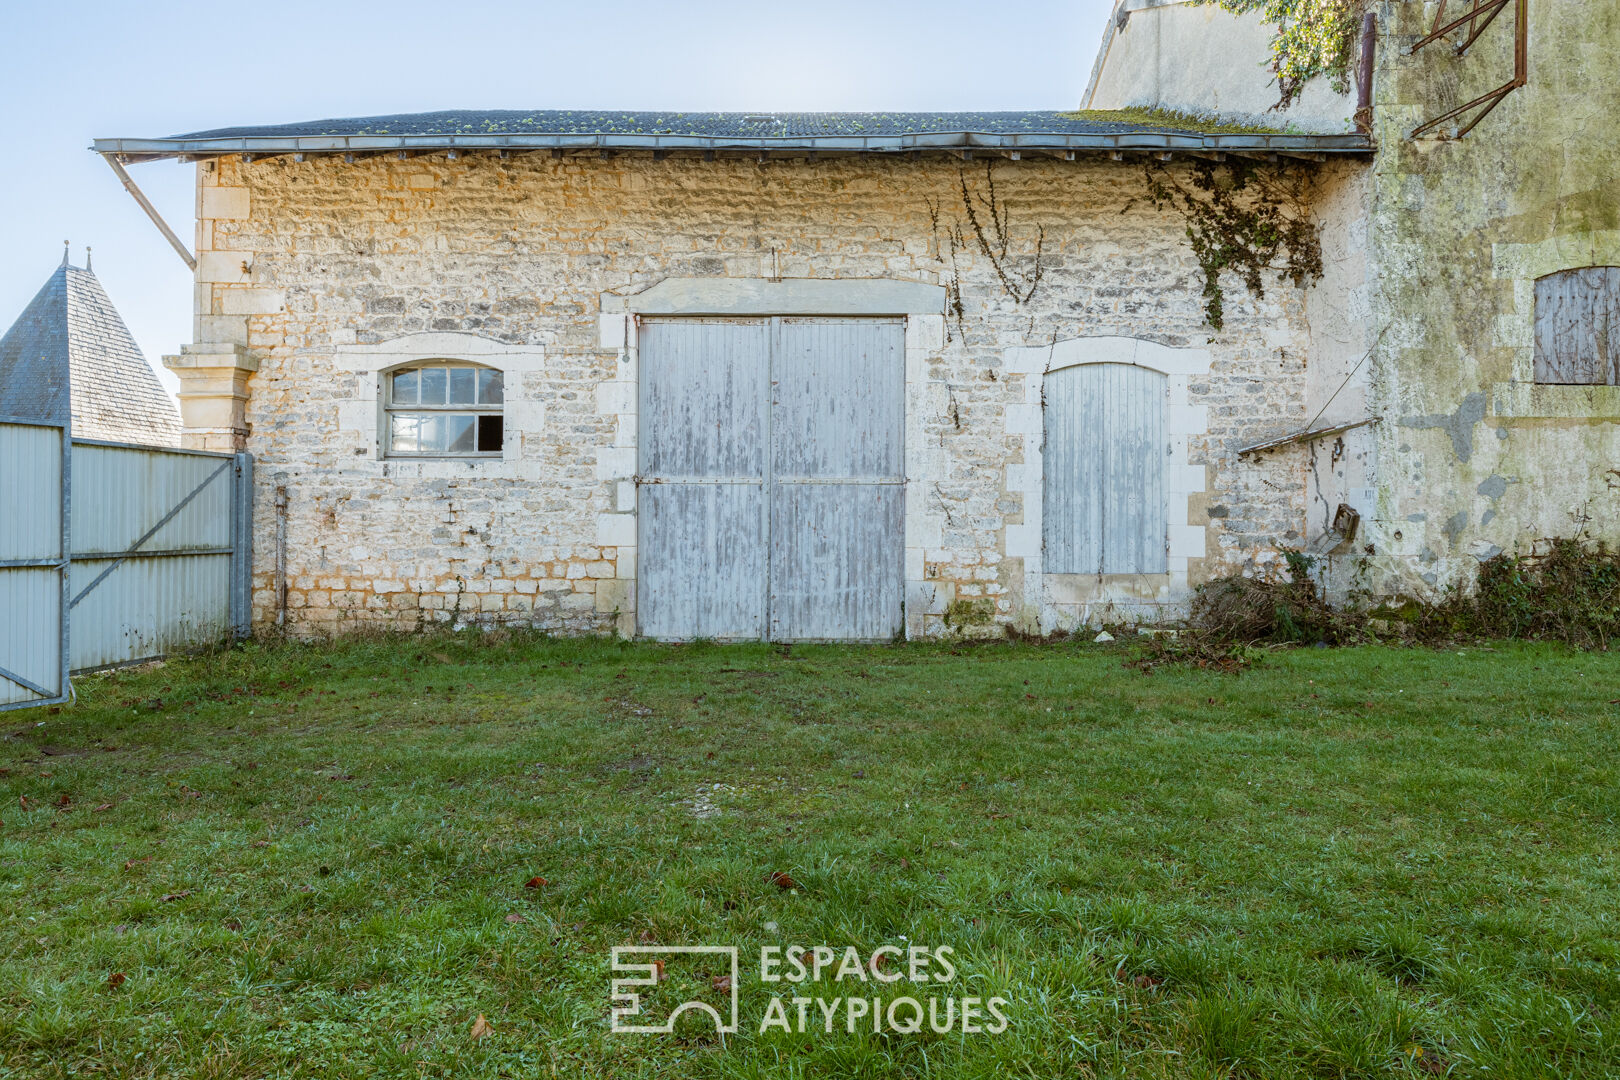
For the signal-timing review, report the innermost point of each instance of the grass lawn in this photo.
(312, 860)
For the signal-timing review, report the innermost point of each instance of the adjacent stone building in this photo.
(853, 376)
(1472, 266)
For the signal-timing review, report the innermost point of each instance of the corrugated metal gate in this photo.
(771, 485)
(160, 550)
(160, 555)
(33, 563)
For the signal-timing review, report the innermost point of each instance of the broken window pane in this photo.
(490, 432)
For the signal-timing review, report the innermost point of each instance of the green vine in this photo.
(1243, 218)
(1314, 38)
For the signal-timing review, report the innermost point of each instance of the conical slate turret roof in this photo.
(71, 336)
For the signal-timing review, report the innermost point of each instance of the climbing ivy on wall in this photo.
(1314, 38)
(1243, 217)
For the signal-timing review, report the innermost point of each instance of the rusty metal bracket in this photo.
(1308, 435)
(117, 163)
(1477, 18)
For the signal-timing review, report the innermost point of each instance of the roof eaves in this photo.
(149, 149)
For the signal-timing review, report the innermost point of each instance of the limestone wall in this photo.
(315, 275)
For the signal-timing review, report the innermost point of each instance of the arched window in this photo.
(1103, 509)
(1578, 327)
(444, 408)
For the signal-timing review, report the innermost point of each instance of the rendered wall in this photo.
(1198, 59)
(1472, 457)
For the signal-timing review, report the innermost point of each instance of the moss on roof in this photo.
(1169, 120)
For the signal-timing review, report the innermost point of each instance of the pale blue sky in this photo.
(100, 69)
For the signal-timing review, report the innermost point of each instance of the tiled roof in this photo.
(871, 131)
(71, 336)
(763, 125)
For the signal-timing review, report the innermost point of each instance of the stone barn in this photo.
(789, 377)
(855, 376)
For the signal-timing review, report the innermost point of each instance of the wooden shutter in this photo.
(1578, 327)
(1103, 509)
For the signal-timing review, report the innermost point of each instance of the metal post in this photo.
(1364, 88)
(281, 554)
(241, 602)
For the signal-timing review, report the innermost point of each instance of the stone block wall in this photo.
(316, 275)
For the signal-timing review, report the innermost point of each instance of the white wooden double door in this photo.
(770, 484)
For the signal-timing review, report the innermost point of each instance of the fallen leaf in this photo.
(480, 1026)
(722, 983)
(1147, 982)
(115, 980)
(646, 937)
(1429, 1061)
(905, 864)
(130, 864)
(658, 970)
(22, 801)
(782, 881)
(536, 882)
(176, 895)
(261, 843)
(63, 801)
(103, 806)
(880, 962)
(514, 917)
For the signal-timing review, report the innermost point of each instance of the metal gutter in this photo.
(132, 150)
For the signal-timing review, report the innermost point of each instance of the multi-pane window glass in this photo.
(445, 409)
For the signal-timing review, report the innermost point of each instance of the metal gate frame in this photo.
(239, 466)
(235, 469)
(60, 565)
